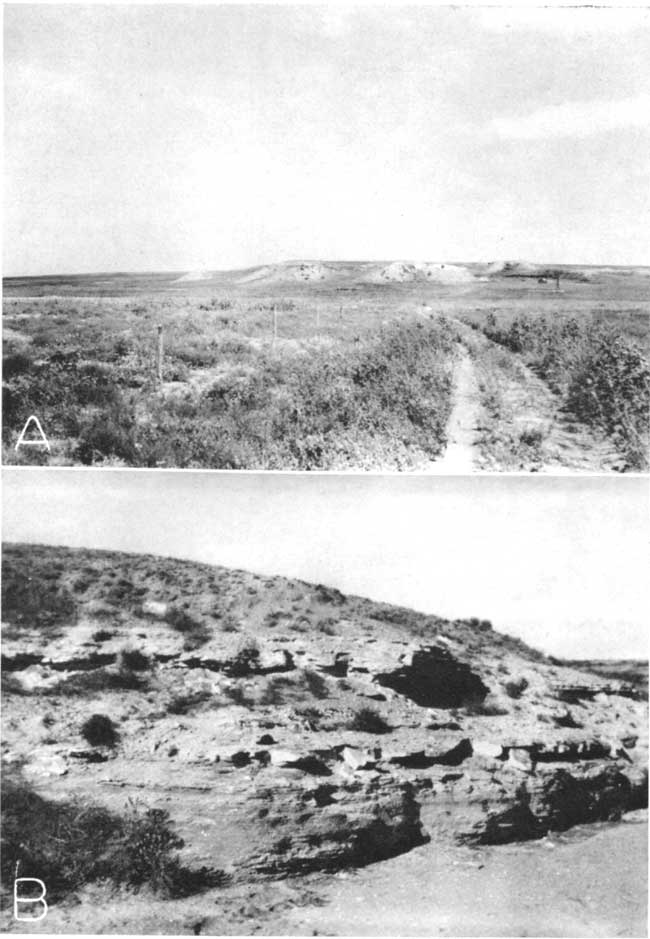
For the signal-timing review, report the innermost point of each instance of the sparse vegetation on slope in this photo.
(279, 747)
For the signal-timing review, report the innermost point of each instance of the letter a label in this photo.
(41, 442)
(32, 900)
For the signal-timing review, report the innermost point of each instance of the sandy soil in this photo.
(589, 882)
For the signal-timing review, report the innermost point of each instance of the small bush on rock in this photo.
(515, 689)
(184, 703)
(369, 721)
(196, 632)
(133, 660)
(99, 731)
(245, 662)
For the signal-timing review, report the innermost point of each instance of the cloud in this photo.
(575, 119)
(567, 20)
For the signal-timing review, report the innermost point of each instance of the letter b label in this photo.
(29, 899)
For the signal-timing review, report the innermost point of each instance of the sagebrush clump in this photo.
(70, 844)
(100, 731)
(368, 721)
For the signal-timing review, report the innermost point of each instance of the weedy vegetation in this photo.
(602, 376)
(229, 400)
(368, 721)
(359, 376)
(70, 844)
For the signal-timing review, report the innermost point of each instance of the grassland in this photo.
(277, 373)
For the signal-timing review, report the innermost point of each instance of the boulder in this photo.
(488, 749)
(45, 764)
(358, 759)
(282, 757)
(433, 678)
(521, 759)
(155, 609)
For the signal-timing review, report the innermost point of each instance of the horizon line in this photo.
(312, 260)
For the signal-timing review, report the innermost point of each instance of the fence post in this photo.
(159, 356)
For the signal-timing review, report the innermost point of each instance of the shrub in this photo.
(314, 718)
(146, 849)
(108, 434)
(16, 363)
(147, 857)
(603, 377)
(31, 599)
(238, 696)
(196, 631)
(99, 731)
(69, 844)
(133, 660)
(276, 691)
(326, 626)
(184, 703)
(65, 844)
(368, 721)
(121, 346)
(515, 689)
(245, 661)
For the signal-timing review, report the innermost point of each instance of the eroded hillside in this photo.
(288, 728)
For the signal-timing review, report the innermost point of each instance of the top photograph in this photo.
(342, 238)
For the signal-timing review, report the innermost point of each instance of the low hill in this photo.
(289, 728)
(418, 271)
(540, 271)
(295, 271)
(632, 671)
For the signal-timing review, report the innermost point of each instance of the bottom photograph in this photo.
(241, 704)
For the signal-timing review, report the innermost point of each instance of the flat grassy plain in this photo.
(359, 375)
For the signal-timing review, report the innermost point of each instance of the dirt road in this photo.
(459, 456)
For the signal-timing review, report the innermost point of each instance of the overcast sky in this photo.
(560, 562)
(182, 137)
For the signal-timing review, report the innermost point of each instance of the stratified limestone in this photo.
(288, 728)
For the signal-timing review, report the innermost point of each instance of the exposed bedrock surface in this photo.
(287, 728)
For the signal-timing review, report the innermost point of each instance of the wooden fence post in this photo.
(159, 357)
(275, 324)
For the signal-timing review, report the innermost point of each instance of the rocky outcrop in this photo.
(433, 678)
(302, 729)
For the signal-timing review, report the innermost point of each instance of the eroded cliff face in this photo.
(287, 728)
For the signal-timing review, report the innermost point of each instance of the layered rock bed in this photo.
(287, 728)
